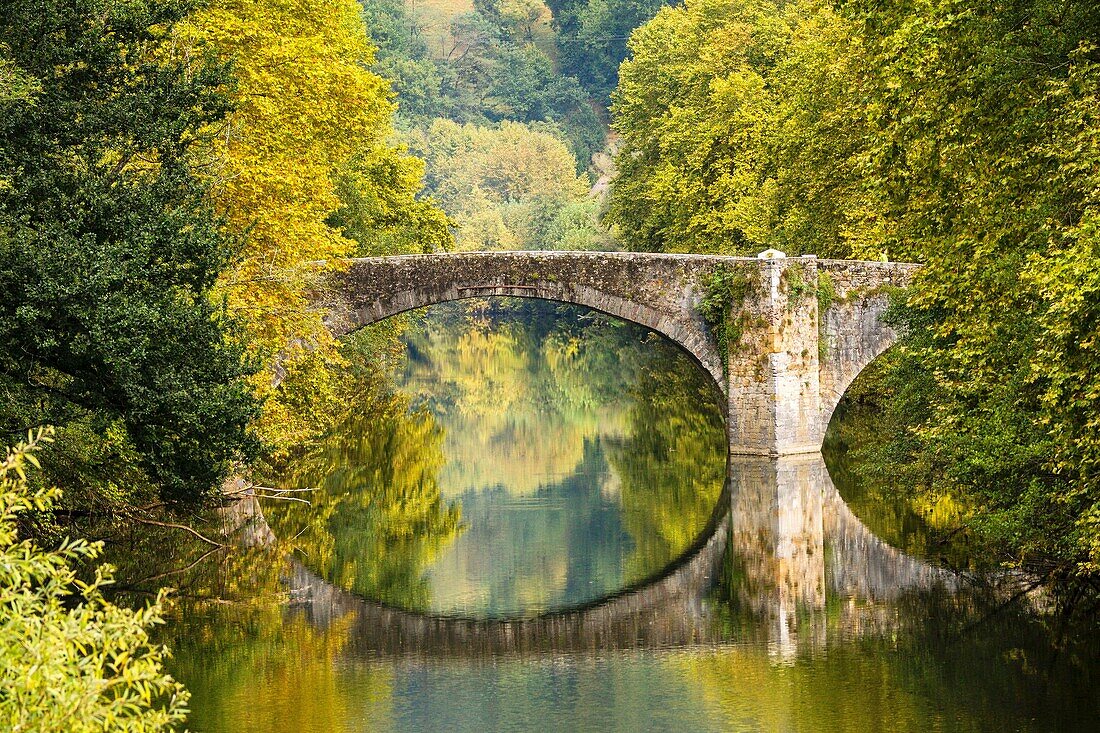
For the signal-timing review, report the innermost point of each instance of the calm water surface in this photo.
(462, 563)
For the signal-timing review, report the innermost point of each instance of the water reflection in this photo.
(377, 518)
(792, 616)
(795, 546)
(535, 457)
(781, 544)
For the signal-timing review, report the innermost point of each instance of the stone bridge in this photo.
(797, 330)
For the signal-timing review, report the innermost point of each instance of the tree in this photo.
(986, 148)
(505, 187)
(739, 133)
(304, 175)
(70, 661)
(109, 248)
(960, 135)
(592, 39)
(525, 88)
(483, 76)
(520, 16)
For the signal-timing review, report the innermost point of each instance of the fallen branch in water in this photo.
(183, 527)
(270, 492)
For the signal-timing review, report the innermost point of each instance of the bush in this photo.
(70, 660)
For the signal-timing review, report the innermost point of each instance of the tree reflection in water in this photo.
(583, 455)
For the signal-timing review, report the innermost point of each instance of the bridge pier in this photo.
(774, 384)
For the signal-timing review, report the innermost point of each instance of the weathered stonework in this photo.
(781, 386)
(852, 327)
(660, 292)
(773, 371)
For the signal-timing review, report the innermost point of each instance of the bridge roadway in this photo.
(803, 328)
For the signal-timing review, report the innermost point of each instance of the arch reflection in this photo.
(796, 549)
(534, 458)
(781, 550)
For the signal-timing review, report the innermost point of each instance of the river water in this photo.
(539, 530)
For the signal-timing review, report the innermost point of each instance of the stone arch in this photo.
(793, 360)
(349, 314)
(852, 330)
(832, 398)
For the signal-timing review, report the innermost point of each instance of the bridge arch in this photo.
(602, 303)
(852, 329)
(644, 290)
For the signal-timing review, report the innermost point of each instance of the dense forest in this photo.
(178, 176)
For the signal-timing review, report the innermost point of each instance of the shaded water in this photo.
(460, 568)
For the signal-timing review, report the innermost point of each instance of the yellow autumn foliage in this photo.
(304, 176)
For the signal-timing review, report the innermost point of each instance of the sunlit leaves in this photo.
(304, 175)
(70, 661)
(741, 131)
(512, 187)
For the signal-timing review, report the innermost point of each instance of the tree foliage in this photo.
(70, 661)
(740, 133)
(986, 147)
(512, 187)
(484, 74)
(304, 175)
(592, 38)
(109, 248)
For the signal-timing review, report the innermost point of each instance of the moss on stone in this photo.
(724, 288)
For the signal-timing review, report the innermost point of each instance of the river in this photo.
(540, 529)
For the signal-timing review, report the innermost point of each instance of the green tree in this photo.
(960, 135)
(306, 176)
(514, 187)
(483, 74)
(742, 130)
(109, 247)
(592, 38)
(525, 88)
(70, 661)
(986, 145)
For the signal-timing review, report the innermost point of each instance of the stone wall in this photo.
(773, 369)
(658, 291)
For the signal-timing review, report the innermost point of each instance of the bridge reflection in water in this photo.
(780, 545)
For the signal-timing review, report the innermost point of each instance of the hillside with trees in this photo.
(501, 69)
